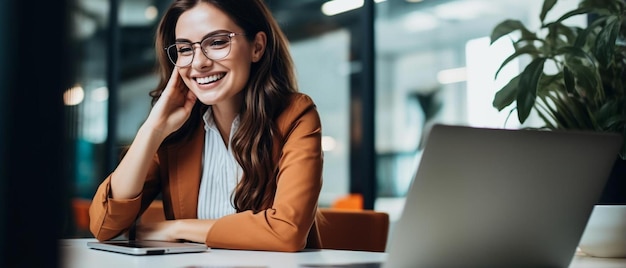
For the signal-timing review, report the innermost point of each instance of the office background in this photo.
(380, 73)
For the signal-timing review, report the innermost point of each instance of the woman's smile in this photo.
(209, 79)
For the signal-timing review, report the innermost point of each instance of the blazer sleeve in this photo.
(108, 217)
(284, 226)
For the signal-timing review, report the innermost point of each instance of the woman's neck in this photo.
(223, 116)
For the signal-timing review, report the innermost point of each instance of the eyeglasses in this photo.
(214, 47)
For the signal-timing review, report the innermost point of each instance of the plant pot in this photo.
(605, 234)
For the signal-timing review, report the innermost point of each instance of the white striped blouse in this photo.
(220, 172)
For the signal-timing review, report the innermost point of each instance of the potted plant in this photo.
(575, 79)
(576, 76)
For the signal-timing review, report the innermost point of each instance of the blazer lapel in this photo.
(185, 167)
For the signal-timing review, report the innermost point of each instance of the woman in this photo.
(232, 147)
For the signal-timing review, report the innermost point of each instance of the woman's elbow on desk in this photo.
(102, 234)
(230, 234)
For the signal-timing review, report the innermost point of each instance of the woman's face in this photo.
(216, 81)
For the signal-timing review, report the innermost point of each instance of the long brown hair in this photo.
(271, 82)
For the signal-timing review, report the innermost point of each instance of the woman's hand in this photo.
(163, 231)
(173, 107)
(168, 114)
(194, 230)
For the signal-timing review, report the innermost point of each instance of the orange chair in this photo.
(352, 201)
(365, 230)
(80, 210)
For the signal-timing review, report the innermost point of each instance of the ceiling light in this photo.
(151, 13)
(335, 7)
(463, 10)
(73, 96)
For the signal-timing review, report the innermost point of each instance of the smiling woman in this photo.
(230, 144)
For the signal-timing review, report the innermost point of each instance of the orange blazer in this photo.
(289, 225)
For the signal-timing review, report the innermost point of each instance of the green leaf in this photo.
(528, 49)
(506, 27)
(566, 118)
(527, 93)
(587, 79)
(568, 78)
(621, 5)
(609, 116)
(505, 96)
(605, 42)
(545, 108)
(582, 37)
(602, 7)
(570, 112)
(547, 6)
(578, 11)
(573, 51)
(568, 32)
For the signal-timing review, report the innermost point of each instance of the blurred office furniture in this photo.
(352, 201)
(365, 230)
(80, 211)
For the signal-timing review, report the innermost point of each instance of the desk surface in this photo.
(75, 254)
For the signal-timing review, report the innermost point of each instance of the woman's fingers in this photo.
(190, 101)
(173, 83)
(173, 106)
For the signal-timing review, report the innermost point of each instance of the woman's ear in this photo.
(258, 46)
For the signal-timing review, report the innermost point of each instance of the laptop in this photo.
(500, 198)
(147, 247)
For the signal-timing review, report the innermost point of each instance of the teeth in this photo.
(209, 79)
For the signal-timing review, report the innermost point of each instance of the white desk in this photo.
(75, 254)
